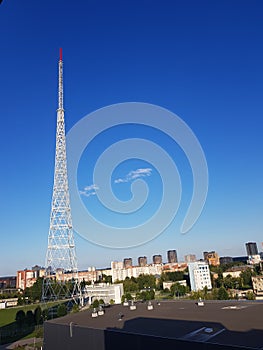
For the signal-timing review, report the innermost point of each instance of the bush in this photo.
(95, 303)
(62, 310)
(38, 315)
(250, 296)
(30, 320)
(222, 294)
(75, 308)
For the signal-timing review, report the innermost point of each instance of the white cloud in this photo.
(135, 174)
(89, 190)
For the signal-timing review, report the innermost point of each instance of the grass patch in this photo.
(8, 315)
(37, 333)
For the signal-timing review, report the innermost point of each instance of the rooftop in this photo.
(222, 322)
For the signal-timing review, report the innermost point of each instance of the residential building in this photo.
(212, 258)
(157, 259)
(190, 258)
(142, 261)
(199, 274)
(172, 256)
(254, 259)
(116, 265)
(225, 260)
(257, 282)
(240, 259)
(174, 267)
(7, 282)
(127, 262)
(25, 278)
(119, 274)
(251, 248)
(39, 271)
(235, 271)
(168, 284)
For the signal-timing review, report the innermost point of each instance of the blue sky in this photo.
(202, 60)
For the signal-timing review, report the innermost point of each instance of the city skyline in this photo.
(134, 260)
(182, 59)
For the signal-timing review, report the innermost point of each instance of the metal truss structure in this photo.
(61, 272)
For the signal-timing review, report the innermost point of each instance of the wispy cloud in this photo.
(134, 174)
(89, 190)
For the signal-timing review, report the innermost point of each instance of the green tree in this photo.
(112, 302)
(45, 314)
(177, 289)
(106, 279)
(126, 296)
(231, 282)
(222, 294)
(146, 295)
(130, 285)
(101, 301)
(61, 310)
(146, 281)
(38, 315)
(95, 303)
(30, 320)
(245, 277)
(20, 317)
(20, 301)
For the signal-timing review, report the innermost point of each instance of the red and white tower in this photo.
(61, 272)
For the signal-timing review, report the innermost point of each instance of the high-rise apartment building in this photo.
(157, 259)
(172, 256)
(251, 248)
(142, 261)
(199, 274)
(190, 258)
(127, 262)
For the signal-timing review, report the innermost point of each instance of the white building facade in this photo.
(199, 274)
(104, 291)
(119, 273)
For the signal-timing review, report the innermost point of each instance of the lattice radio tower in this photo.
(61, 272)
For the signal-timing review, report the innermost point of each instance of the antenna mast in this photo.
(61, 272)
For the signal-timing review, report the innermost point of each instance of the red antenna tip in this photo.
(60, 54)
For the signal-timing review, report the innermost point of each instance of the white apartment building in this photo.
(119, 273)
(199, 274)
(104, 291)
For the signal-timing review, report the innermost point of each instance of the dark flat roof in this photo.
(226, 322)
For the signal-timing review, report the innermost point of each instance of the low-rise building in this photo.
(7, 282)
(174, 267)
(225, 260)
(168, 284)
(212, 258)
(104, 291)
(254, 259)
(257, 282)
(235, 271)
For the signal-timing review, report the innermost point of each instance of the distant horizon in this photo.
(135, 259)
